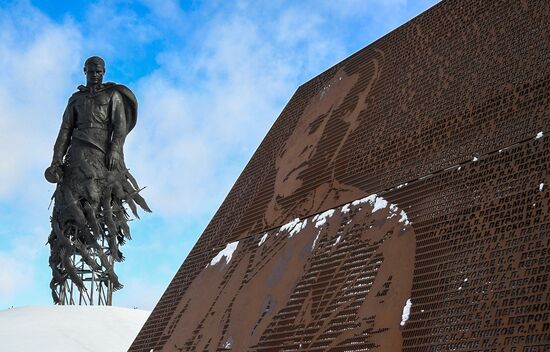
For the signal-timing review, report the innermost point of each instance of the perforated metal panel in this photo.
(446, 118)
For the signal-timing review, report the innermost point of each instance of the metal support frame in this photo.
(98, 289)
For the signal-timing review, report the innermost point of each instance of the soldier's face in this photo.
(94, 73)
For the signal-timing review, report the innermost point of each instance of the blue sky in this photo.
(211, 77)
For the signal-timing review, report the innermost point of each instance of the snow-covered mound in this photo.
(69, 328)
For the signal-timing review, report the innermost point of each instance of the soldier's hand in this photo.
(113, 159)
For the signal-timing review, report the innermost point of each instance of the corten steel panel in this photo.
(460, 82)
(474, 263)
(312, 284)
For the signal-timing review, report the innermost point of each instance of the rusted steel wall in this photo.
(446, 119)
(338, 278)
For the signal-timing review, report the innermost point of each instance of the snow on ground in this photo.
(69, 328)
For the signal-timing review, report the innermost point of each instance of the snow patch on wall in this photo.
(345, 209)
(298, 226)
(228, 343)
(379, 203)
(370, 199)
(290, 225)
(406, 312)
(262, 240)
(227, 252)
(294, 226)
(315, 240)
(404, 218)
(321, 219)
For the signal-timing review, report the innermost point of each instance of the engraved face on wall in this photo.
(327, 122)
(285, 288)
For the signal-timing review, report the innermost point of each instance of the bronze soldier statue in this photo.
(89, 217)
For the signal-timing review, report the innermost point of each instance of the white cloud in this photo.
(115, 28)
(138, 293)
(202, 117)
(37, 61)
(167, 11)
(296, 25)
(18, 262)
(361, 8)
(15, 274)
